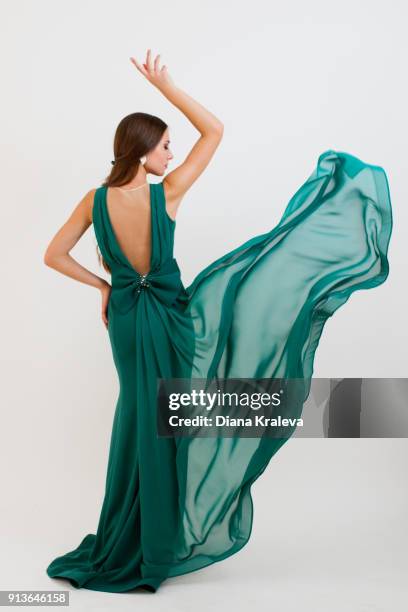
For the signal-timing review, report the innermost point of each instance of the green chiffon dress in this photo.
(175, 505)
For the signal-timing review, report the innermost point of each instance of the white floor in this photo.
(330, 535)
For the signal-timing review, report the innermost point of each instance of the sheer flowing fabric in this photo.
(175, 505)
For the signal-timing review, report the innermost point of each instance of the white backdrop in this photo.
(289, 80)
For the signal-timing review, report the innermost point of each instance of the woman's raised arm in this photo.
(179, 180)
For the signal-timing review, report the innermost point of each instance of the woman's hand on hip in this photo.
(105, 293)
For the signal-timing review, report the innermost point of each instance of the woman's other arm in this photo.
(57, 253)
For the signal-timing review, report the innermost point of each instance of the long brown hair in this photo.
(136, 135)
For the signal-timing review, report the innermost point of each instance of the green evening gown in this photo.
(175, 505)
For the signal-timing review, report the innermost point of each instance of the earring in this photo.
(143, 160)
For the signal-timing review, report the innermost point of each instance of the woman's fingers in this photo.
(148, 67)
(105, 293)
(104, 318)
(157, 75)
(149, 61)
(140, 67)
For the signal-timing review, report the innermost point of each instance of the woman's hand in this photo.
(105, 292)
(159, 77)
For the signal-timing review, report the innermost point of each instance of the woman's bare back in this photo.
(130, 215)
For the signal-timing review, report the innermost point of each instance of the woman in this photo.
(172, 504)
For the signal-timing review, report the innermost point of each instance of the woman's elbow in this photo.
(49, 258)
(220, 128)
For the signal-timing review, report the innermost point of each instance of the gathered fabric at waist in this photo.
(163, 283)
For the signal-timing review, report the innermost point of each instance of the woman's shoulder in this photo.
(88, 200)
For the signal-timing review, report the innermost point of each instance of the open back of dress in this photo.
(131, 220)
